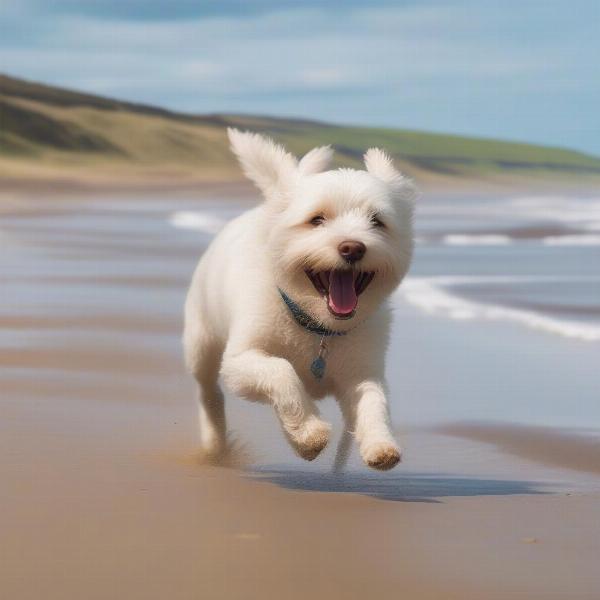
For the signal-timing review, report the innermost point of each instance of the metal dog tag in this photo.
(317, 367)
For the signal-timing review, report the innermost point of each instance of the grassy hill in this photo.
(48, 132)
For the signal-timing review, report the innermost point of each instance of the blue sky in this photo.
(526, 70)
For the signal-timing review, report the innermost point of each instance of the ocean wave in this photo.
(454, 280)
(466, 239)
(492, 239)
(429, 295)
(198, 221)
(578, 239)
(579, 212)
(572, 213)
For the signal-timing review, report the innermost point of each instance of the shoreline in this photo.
(430, 184)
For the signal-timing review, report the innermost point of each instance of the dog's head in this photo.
(340, 241)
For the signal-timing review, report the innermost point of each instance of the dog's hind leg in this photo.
(344, 446)
(203, 358)
(343, 450)
(213, 428)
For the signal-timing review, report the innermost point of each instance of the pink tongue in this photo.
(342, 295)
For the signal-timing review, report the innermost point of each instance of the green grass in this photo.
(44, 125)
(439, 150)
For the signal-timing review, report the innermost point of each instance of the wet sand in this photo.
(102, 495)
(555, 448)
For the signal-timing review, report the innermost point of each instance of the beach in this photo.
(494, 393)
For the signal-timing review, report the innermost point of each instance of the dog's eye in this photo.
(377, 222)
(317, 220)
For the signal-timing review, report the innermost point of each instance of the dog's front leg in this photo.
(366, 410)
(258, 376)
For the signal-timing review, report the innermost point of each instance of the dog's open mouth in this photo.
(341, 288)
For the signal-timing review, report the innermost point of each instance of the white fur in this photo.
(237, 326)
(316, 160)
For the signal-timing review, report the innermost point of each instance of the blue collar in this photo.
(306, 321)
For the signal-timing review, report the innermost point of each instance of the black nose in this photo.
(352, 251)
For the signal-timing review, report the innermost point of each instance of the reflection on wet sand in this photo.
(578, 450)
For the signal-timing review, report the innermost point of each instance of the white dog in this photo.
(288, 303)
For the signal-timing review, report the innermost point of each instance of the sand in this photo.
(96, 525)
(102, 495)
(555, 448)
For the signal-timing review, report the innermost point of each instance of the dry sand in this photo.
(102, 497)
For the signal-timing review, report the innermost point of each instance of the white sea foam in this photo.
(198, 221)
(430, 296)
(579, 239)
(468, 239)
(454, 280)
(459, 239)
(577, 212)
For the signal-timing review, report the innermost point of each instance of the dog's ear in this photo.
(316, 161)
(380, 165)
(263, 161)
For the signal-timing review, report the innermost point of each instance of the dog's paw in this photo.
(381, 455)
(310, 438)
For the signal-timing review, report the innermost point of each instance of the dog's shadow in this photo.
(407, 487)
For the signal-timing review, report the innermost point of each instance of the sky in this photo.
(524, 70)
